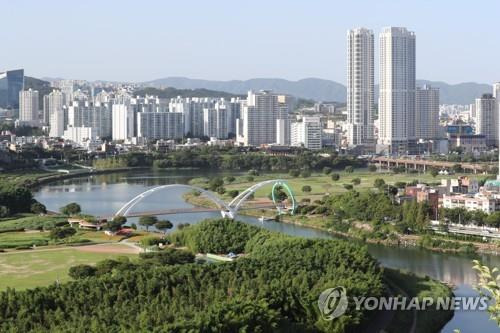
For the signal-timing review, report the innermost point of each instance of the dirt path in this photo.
(110, 248)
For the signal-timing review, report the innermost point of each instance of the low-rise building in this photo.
(485, 203)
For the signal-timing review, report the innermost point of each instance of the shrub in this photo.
(82, 271)
(71, 209)
(306, 188)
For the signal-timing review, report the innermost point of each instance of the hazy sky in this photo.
(457, 40)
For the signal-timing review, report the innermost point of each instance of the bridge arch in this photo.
(236, 203)
(125, 209)
(227, 210)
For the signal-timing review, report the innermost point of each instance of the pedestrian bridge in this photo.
(227, 209)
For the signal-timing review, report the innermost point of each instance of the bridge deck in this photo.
(187, 210)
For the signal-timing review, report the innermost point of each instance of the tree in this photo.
(164, 225)
(356, 181)
(372, 168)
(71, 209)
(327, 170)
(335, 177)
(147, 221)
(348, 187)
(294, 173)
(116, 224)
(250, 178)
(215, 183)
(230, 179)
(61, 233)
(38, 208)
(305, 173)
(400, 184)
(120, 219)
(306, 188)
(457, 168)
(489, 282)
(82, 271)
(349, 169)
(233, 193)
(434, 172)
(253, 172)
(379, 183)
(280, 194)
(4, 211)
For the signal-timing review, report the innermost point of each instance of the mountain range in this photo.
(317, 89)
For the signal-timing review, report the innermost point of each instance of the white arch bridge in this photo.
(227, 209)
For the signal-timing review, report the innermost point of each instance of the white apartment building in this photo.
(192, 109)
(28, 107)
(234, 111)
(397, 91)
(160, 125)
(57, 114)
(79, 134)
(307, 133)
(257, 125)
(487, 118)
(360, 88)
(427, 112)
(283, 128)
(215, 121)
(84, 114)
(123, 122)
(496, 90)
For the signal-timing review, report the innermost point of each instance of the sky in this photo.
(135, 41)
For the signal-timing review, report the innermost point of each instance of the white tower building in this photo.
(397, 91)
(123, 122)
(56, 113)
(360, 77)
(487, 118)
(427, 112)
(28, 107)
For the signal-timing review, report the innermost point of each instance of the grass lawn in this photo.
(30, 221)
(19, 177)
(41, 268)
(14, 239)
(322, 184)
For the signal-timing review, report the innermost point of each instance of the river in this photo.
(105, 194)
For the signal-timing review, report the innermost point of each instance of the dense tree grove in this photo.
(17, 199)
(211, 158)
(273, 289)
(215, 236)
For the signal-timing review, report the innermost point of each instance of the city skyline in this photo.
(116, 43)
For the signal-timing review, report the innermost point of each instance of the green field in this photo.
(20, 177)
(28, 270)
(322, 184)
(30, 221)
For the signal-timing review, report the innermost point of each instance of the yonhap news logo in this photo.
(332, 303)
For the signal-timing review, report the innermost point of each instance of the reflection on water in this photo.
(104, 194)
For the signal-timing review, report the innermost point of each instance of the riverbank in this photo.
(315, 222)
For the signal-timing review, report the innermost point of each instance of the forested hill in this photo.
(173, 92)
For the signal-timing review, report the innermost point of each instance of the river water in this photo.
(105, 194)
